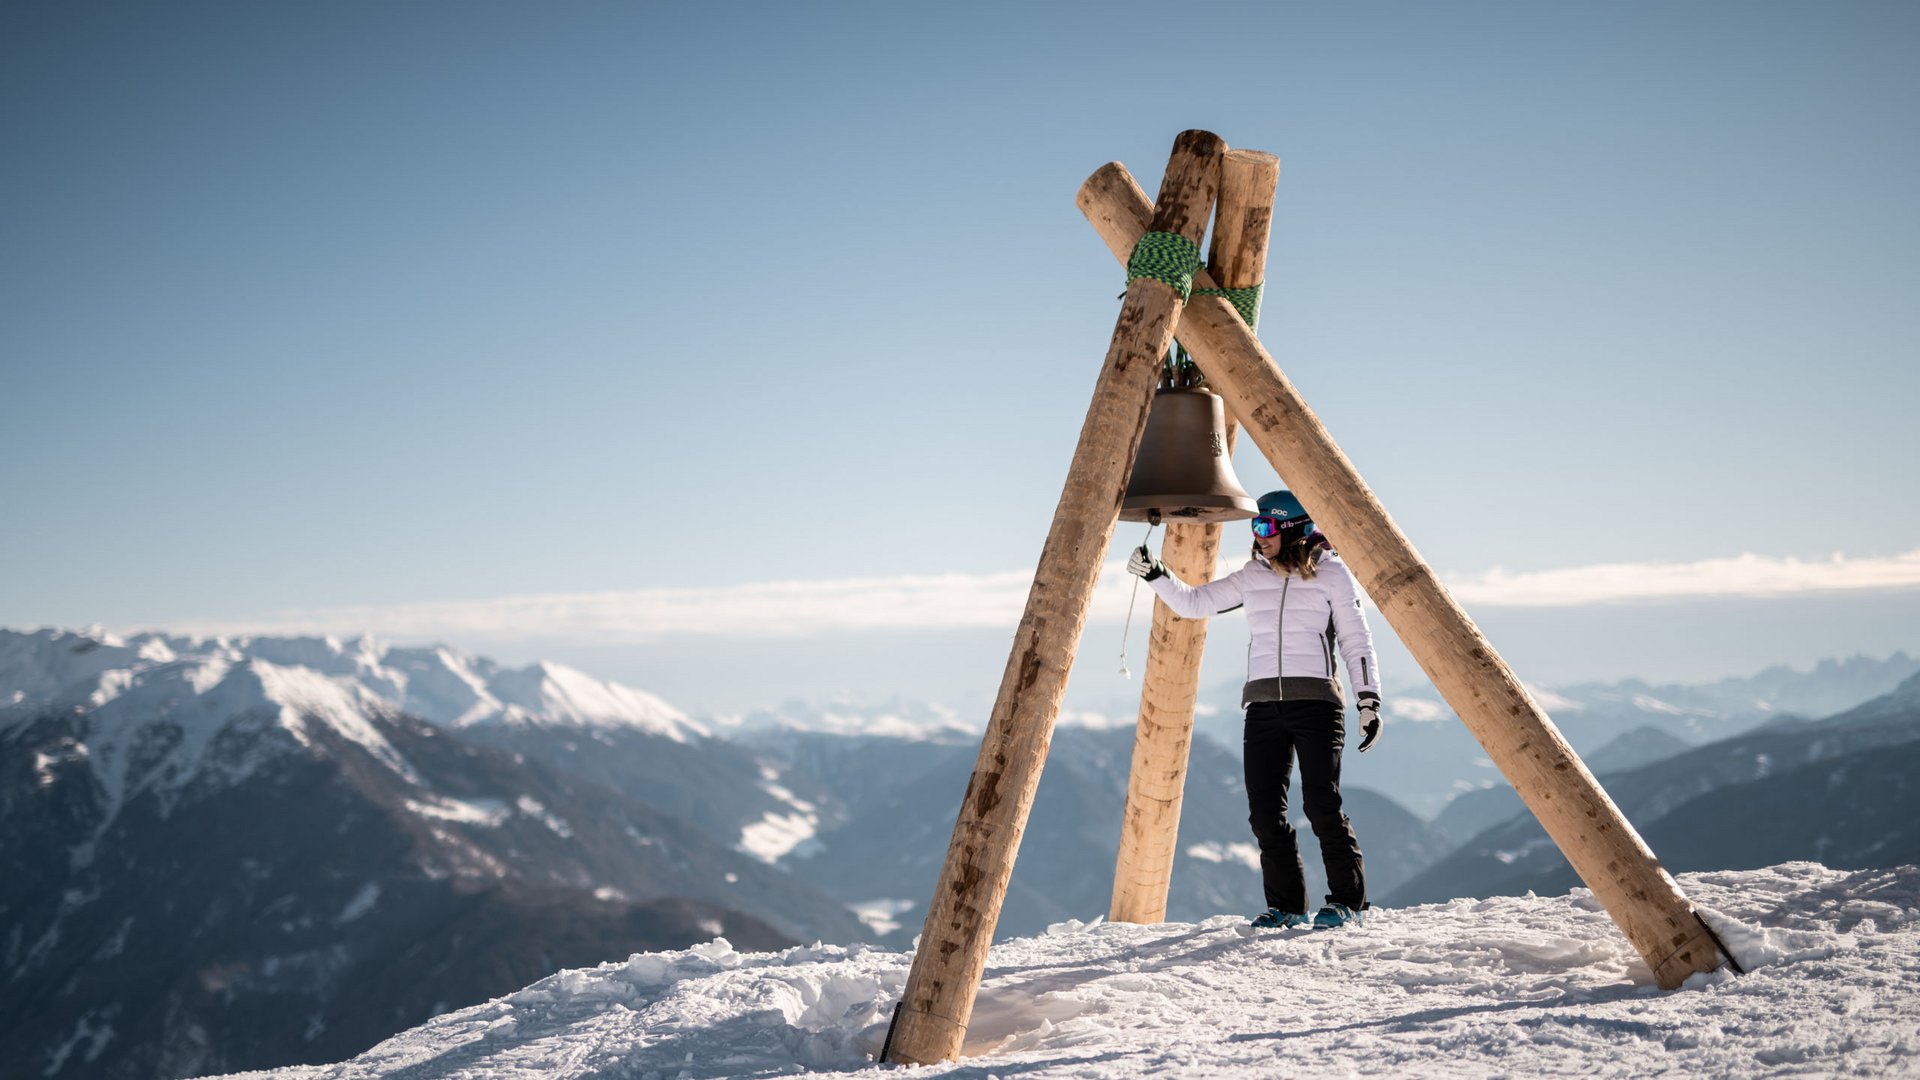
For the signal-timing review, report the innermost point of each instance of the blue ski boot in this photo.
(1275, 919)
(1336, 915)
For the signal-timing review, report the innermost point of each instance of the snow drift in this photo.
(1513, 985)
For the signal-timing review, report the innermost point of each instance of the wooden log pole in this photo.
(932, 1020)
(1556, 786)
(1163, 735)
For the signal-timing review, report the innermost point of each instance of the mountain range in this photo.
(883, 851)
(283, 865)
(230, 854)
(1434, 759)
(1829, 791)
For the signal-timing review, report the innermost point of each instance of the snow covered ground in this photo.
(1516, 986)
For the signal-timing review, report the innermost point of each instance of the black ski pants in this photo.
(1315, 732)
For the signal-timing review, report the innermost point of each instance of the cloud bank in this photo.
(1741, 575)
(785, 609)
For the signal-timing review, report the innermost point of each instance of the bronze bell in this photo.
(1182, 473)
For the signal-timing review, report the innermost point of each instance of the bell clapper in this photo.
(1127, 627)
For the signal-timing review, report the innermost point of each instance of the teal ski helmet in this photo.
(1283, 507)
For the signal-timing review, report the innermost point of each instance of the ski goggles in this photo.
(1267, 525)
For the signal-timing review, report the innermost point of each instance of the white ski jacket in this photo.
(1296, 624)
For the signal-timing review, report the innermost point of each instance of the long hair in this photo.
(1298, 556)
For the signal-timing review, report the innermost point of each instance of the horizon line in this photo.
(995, 600)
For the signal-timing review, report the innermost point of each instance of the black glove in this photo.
(1369, 721)
(1144, 566)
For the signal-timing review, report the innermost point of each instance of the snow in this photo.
(153, 708)
(60, 668)
(87, 1037)
(46, 762)
(537, 810)
(116, 944)
(302, 692)
(156, 732)
(1526, 986)
(893, 719)
(361, 903)
(777, 835)
(551, 693)
(1649, 703)
(489, 813)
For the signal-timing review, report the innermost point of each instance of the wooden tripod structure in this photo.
(1644, 901)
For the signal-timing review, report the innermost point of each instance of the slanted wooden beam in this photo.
(1163, 735)
(932, 1020)
(1516, 732)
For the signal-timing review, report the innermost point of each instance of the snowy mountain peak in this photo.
(151, 708)
(898, 718)
(549, 693)
(59, 669)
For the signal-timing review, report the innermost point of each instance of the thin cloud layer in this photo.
(1741, 575)
(785, 609)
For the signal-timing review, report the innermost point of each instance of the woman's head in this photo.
(1282, 521)
(1282, 533)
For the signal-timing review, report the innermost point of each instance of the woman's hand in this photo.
(1143, 565)
(1369, 708)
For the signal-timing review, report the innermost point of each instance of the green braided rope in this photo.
(1168, 258)
(1245, 301)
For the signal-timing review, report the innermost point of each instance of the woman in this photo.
(1302, 607)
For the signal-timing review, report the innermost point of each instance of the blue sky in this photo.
(517, 325)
